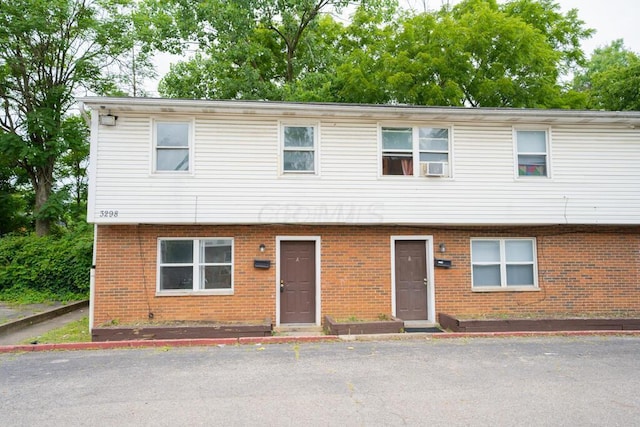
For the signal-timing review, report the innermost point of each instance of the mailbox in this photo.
(261, 263)
(443, 263)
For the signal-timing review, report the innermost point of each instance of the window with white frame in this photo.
(172, 144)
(434, 151)
(298, 149)
(405, 147)
(397, 151)
(532, 149)
(195, 264)
(503, 263)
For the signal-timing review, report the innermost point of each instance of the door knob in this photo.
(426, 282)
(281, 285)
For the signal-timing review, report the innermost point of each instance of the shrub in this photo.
(52, 267)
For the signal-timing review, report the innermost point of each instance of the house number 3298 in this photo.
(108, 214)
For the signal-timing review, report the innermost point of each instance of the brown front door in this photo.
(411, 280)
(297, 282)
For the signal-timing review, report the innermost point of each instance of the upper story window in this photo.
(172, 146)
(397, 151)
(533, 152)
(299, 149)
(423, 151)
(196, 265)
(503, 264)
(434, 151)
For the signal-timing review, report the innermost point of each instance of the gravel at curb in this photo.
(298, 339)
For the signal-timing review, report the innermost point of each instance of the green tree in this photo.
(366, 46)
(13, 214)
(564, 32)
(477, 53)
(49, 49)
(132, 69)
(71, 173)
(507, 63)
(611, 78)
(249, 50)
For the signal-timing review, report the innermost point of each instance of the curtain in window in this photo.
(407, 166)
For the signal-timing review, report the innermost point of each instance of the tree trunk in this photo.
(290, 55)
(42, 187)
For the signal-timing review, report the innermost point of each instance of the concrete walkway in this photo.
(28, 322)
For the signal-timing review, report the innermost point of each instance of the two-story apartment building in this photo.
(240, 211)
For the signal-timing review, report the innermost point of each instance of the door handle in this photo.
(281, 285)
(426, 281)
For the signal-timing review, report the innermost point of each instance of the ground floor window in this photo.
(195, 265)
(503, 264)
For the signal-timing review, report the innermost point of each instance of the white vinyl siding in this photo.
(236, 176)
(195, 265)
(503, 264)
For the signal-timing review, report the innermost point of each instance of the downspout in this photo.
(92, 277)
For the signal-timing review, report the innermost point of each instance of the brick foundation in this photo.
(582, 270)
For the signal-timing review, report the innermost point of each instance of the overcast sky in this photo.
(612, 19)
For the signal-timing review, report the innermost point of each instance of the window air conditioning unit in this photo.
(434, 168)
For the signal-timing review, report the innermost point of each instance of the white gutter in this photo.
(370, 111)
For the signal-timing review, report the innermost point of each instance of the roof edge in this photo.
(175, 105)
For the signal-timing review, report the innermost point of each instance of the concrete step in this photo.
(296, 330)
(419, 324)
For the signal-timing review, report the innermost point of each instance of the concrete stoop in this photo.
(296, 330)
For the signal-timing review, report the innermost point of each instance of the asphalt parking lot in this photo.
(586, 381)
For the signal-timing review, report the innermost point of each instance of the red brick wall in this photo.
(581, 270)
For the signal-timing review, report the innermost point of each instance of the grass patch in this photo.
(19, 295)
(77, 331)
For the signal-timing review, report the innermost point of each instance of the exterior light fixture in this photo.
(262, 247)
(108, 120)
(443, 248)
